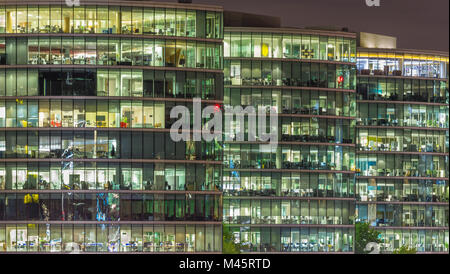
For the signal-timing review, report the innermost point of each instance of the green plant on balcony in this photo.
(229, 245)
(364, 234)
(405, 250)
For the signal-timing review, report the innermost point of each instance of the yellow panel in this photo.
(391, 55)
(363, 54)
(265, 50)
(399, 56)
(382, 55)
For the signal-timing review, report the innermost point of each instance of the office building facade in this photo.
(291, 199)
(402, 147)
(298, 196)
(87, 164)
(86, 161)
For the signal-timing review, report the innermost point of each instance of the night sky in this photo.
(417, 24)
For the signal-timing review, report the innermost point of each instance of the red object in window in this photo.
(217, 108)
(54, 123)
(123, 125)
(340, 79)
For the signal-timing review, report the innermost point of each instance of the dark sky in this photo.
(417, 24)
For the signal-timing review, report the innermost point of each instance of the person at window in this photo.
(113, 151)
